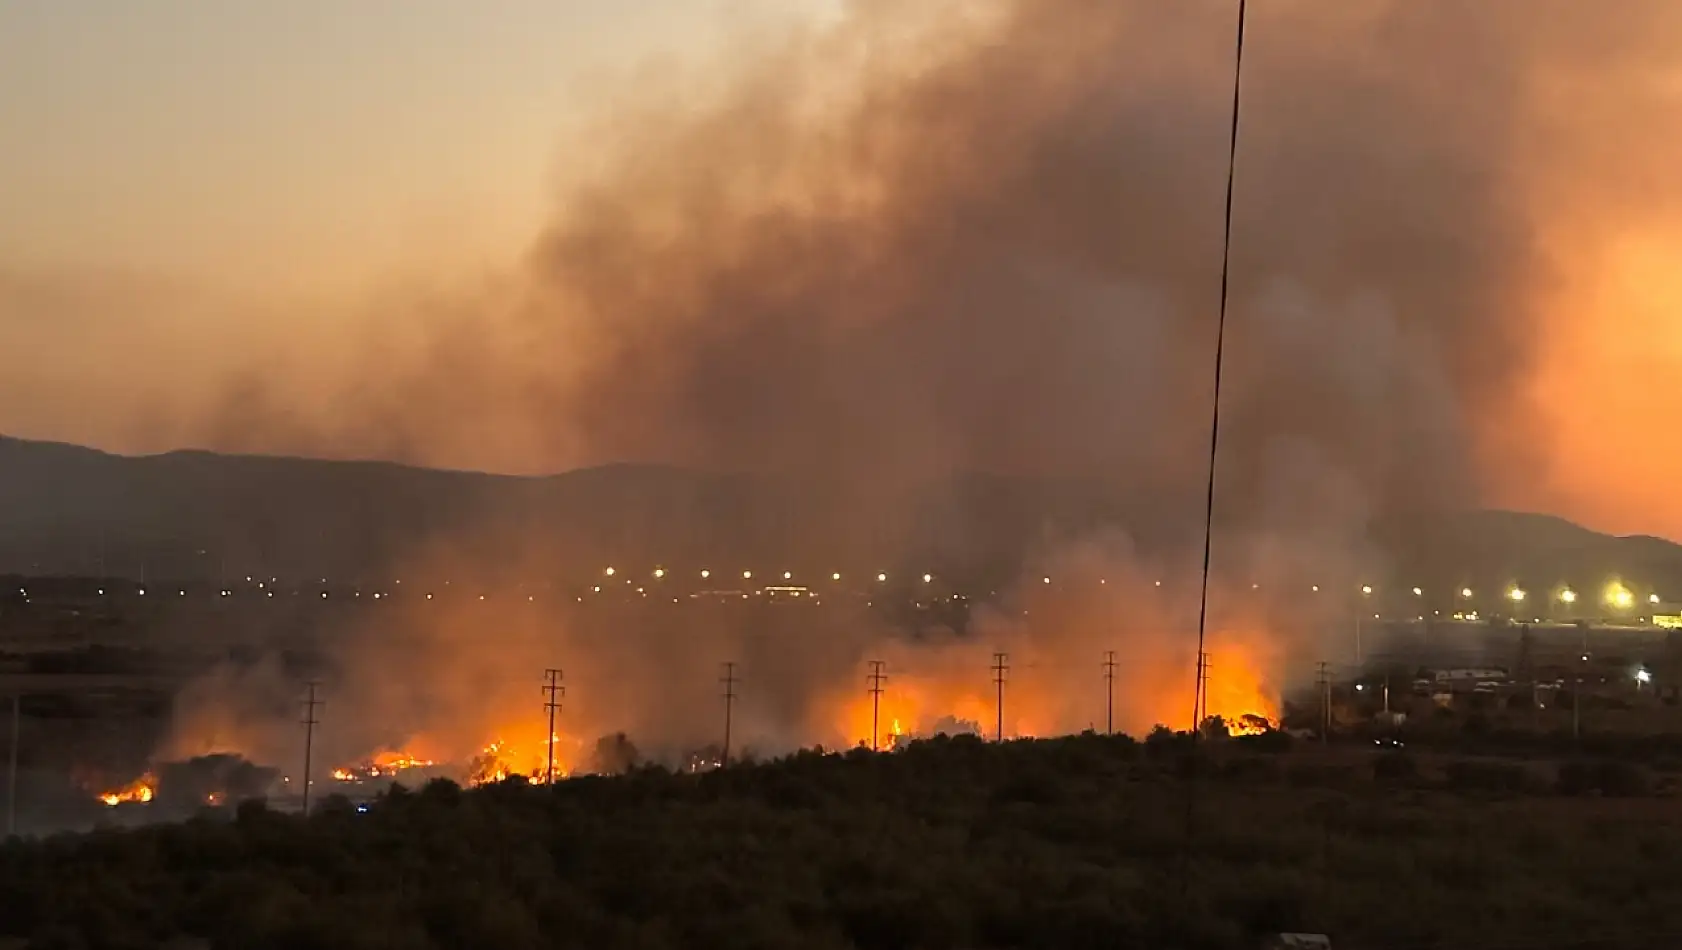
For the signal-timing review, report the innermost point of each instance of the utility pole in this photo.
(729, 681)
(1323, 678)
(877, 678)
(1577, 699)
(1202, 688)
(12, 771)
(553, 691)
(1109, 692)
(1001, 666)
(311, 704)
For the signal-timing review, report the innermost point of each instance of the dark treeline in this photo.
(950, 843)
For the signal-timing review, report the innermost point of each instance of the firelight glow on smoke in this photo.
(419, 690)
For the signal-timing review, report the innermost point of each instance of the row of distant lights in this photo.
(1616, 595)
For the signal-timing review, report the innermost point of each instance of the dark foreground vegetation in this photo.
(953, 843)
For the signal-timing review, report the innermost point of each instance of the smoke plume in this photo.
(908, 244)
(986, 236)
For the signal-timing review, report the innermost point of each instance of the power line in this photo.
(1220, 355)
(553, 692)
(311, 704)
(1214, 443)
(729, 681)
(877, 678)
(1001, 666)
(1109, 692)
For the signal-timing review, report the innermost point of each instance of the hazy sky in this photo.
(526, 234)
(310, 143)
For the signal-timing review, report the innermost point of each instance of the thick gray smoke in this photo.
(897, 248)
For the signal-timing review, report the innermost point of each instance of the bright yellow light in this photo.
(788, 575)
(1568, 596)
(659, 572)
(1517, 595)
(610, 572)
(1653, 599)
(747, 575)
(706, 574)
(1618, 596)
(1466, 592)
(880, 578)
(1366, 588)
(836, 576)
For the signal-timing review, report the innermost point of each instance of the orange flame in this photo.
(500, 760)
(1050, 699)
(139, 790)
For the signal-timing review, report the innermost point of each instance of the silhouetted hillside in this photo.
(71, 510)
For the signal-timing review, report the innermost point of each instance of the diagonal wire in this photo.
(1220, 354)
(1214, 446)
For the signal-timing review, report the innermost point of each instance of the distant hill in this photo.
(71, 510)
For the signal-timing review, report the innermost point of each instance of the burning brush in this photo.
(205, 780)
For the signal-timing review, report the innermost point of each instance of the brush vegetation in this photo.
(949, 843)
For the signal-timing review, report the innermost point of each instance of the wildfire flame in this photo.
(139, 790)
(918, 703)
(500, 759)
(381, 765)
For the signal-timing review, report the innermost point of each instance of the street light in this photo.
(1366, 589)
(1653, 599)
(659, 572)
(1517, 595)
(1466, 592)
(1568, 596)
(1417, 592)
(881, 578)
(1619, 596)
(927, 578)
(610, 572)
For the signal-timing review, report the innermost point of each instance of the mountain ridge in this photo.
(66, 508)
